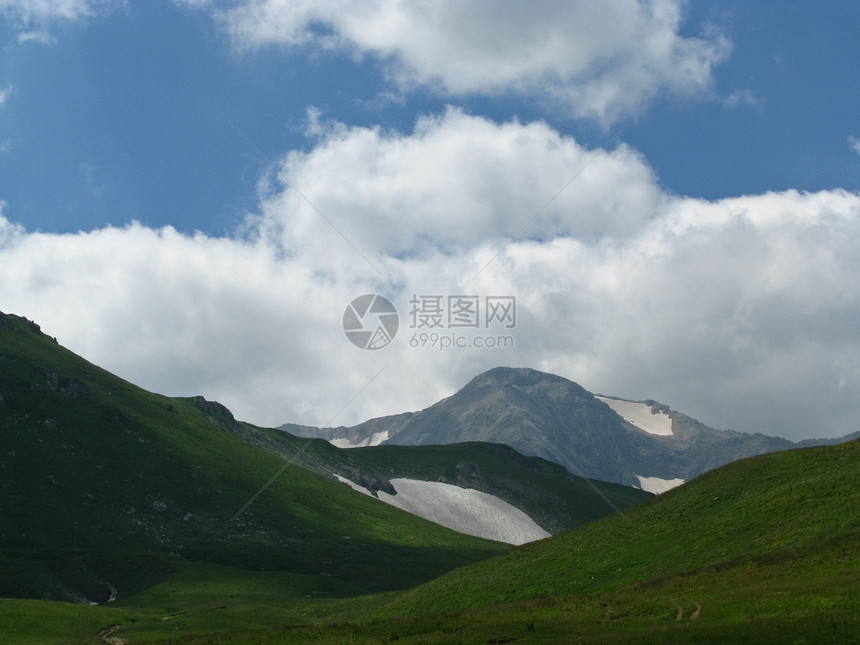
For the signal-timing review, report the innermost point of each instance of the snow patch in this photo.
(641, 416)
(353, 485)
(657, 485)
(373, 440)
(464, 510)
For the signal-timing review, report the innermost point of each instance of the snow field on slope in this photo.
(640, 415)
(353, 485)
(373, 440)
(657, 485)
(464, 510)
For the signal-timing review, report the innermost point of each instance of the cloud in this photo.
(604, 61)
(742, 98)
(854, 142)
(35, 36)
(27, 12)
(396, 196)
(741, 312)
(192, 3)
(5, 146)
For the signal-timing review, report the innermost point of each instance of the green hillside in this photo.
(762, 550)
(107, 489)
(761, 509)
(546, 491)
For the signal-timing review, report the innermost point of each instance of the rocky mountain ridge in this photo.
(548, 416)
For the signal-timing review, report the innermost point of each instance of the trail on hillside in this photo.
(693, 616)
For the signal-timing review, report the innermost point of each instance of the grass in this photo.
(105, 484)
(760, 551)
(776, 506)
(807, 601)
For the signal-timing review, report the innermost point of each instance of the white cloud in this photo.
(854, 142)
(27, 12)
(602, 60)
(9, 232)
(742, 98)
(35, 36)
(4, 94)
(742, 312)
(192, 3)
(392, 195)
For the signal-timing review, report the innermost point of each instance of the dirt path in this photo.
(105, 635)
(693, 616)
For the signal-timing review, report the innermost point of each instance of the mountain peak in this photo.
(635, 443)
(524, 378)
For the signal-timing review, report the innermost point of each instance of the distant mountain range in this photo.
(636, 443)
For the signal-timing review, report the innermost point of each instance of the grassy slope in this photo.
(760, 551)
(763, 507)
(765, 546)
(554, 498)
(102, 482)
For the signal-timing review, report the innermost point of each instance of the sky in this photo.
(656, 199)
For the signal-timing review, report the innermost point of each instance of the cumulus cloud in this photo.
(442, 187)
(854, 142)
(8, 231)
(602, 60)
(741, 312)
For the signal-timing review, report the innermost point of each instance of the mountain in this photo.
(466, 474)
(107, 490)
(643, 444)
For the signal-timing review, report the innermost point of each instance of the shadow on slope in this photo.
(103, 485)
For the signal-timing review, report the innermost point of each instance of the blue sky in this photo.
(133, 113)
(180, 131)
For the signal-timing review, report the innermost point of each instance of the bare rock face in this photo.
(71, 388)
(216, 413)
